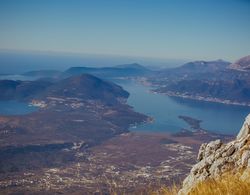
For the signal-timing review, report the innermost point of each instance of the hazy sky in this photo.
(176, 29)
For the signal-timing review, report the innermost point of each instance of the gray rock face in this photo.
(245, 158)
(245, 130)
(216, 158)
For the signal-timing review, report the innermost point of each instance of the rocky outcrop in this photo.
(245, 130)
(216, 158)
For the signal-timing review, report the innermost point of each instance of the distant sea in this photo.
(16, 62)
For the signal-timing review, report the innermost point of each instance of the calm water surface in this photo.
(15, 108)
(165, 110)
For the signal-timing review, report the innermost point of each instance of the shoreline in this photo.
(205, 99)
(154, 89)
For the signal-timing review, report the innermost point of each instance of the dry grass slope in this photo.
(228, 184)
(173, 190)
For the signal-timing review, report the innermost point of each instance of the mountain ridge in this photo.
(212, 81)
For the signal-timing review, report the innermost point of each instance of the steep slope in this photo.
(42, 73)
(243, 64)
(216, 159)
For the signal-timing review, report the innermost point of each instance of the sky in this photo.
(164, 29)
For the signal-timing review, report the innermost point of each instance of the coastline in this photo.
(144, 82)
(205, 99)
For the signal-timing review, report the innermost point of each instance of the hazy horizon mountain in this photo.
(132, 66)
(126, 70)
(209, 81)
(197, 67)
(21, 90)
(123, 70)
(18, 62)
(42, 73)
(242, 64)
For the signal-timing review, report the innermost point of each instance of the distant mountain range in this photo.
(79, 82)
(242, 64)
(217, 81)
(198, 67)
(125, 70)
(43, 73)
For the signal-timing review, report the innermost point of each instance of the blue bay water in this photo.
(15, 108)
(220, 118)
(216, 117)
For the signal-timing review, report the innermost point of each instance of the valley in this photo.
(128, 163)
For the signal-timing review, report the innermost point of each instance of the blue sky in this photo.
(175, 29)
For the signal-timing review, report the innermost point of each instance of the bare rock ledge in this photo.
(215, 158)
